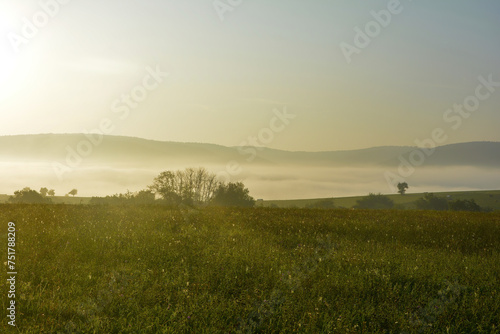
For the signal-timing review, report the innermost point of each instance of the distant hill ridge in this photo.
(137, 152)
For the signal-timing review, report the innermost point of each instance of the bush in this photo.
(140, 198)
(233, 194)
(374, 201)
(432, 202)
(28, 195)
(465, 205)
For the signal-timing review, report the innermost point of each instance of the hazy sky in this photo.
(230, 69)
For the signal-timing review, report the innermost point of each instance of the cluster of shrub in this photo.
(28, 195)
(192, 187)
(432, 202)
(372, 201)
(428, 202)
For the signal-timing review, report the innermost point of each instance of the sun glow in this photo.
(8, 59)
(8, 69)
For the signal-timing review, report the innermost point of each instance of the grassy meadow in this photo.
(100, 269)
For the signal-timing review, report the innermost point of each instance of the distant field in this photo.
(57, 199)
(485, 199)
(70, 200)
(86, 269)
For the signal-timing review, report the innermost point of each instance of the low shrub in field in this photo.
(465, 205)
(375, 201)
(432, 202)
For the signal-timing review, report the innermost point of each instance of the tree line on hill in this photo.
(432, 202)
(428, 202)
(379, 201)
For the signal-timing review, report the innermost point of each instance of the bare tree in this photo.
(190, 186)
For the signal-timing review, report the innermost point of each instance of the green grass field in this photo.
(486, 199)
(85, 269)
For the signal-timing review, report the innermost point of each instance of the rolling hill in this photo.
(113, 150)
(100, 166)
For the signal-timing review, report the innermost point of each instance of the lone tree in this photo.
(44, 191)
(402, 187)
(27, 195)
(233, 194)
(73, 192)
(51, 192)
